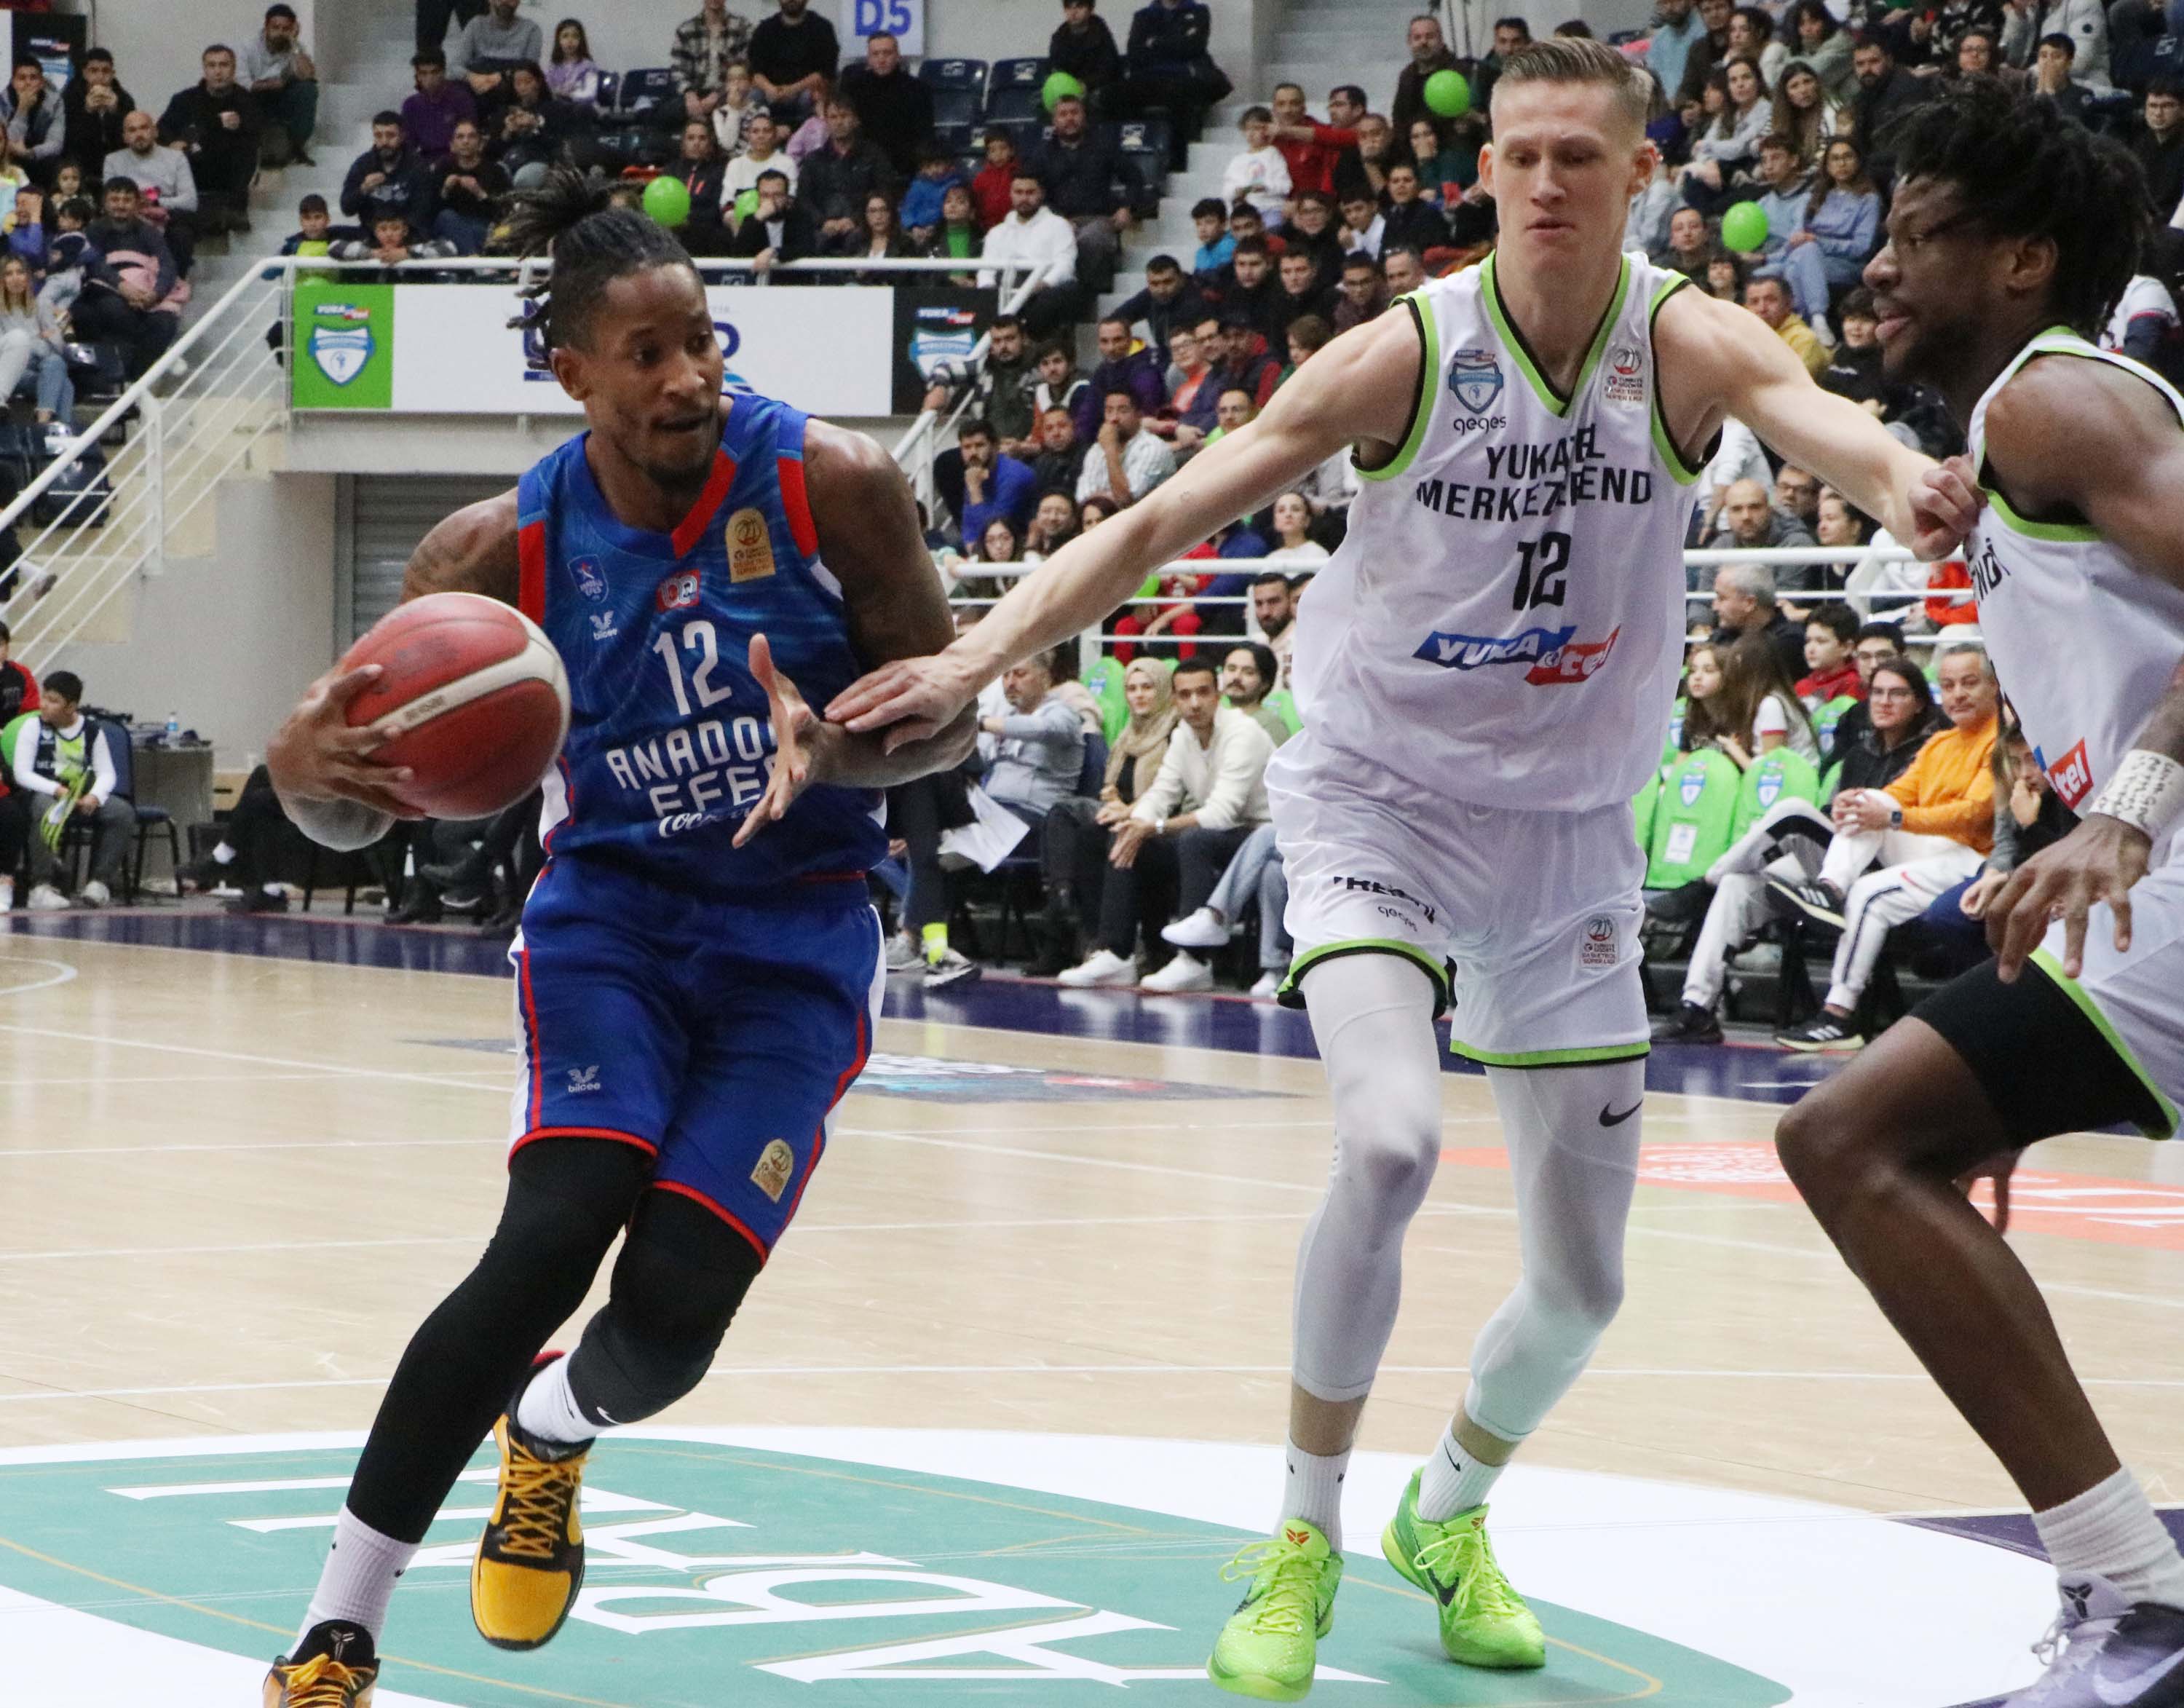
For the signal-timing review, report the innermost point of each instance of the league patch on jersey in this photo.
(1475, 377)
(776, 1164)
(589, 581)
(680, 590)
(1624, 380)
(1473, 652)
(751, 547)
(1597, 949)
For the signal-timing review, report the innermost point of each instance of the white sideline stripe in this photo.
(745, 1372)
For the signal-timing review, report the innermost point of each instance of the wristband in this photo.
(2145, 793)
(1160, 828)
(1895, 817)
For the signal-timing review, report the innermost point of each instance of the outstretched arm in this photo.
(1359, 389)
(868, 536)
(2084, 439)
(1718, 360)
(322, 769)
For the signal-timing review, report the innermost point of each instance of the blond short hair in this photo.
(1580, 59)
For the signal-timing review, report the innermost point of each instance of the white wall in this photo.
(156, 43)
(230, 640)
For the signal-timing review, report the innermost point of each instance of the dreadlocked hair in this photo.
(2026, 171)
(592, 241)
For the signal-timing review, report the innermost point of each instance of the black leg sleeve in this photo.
(567, 1199)
(681, 1275)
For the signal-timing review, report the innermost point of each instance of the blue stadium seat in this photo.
(954, 74)
(643, 91)
(610, 89)
(957, 106)
(1015, 90)
(954, 138)
(1024, 132)
(1017, 74)
(1133, 134)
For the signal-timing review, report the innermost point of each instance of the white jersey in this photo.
(1503, 623)
(2041, 584)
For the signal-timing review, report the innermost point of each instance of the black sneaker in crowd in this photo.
(1824, 1031)
(1689, 1024)
(1807, 899)
(2105, 1652)
(258, 901)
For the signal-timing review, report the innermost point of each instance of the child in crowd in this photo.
(737, 105)
(313, 222)
(71, 258)
(990, 188)
(1258, 175)
(937, 174)
(1215, 245)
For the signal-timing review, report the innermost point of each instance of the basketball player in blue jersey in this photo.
(699, 966)
(2013, 235)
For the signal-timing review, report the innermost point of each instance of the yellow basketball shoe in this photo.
(1270, 1645)
(530, 1562)
(342, 1674)
(1483, 1621)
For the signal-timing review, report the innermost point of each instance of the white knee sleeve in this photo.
(1576, 1166)
(1373, 1017)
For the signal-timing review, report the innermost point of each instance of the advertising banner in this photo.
(904, 20)
(935, 330)
(450, 349)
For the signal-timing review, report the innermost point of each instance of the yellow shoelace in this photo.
(1480, 1587)
(323, 1682)
(1287, 1585)
(540, 1492)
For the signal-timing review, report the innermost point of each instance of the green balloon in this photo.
(1058, 87)
(746, 205)
(1151, 588)
(1447, 94)
(1744, 227)
(667, 200)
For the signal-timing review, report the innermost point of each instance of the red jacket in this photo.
(19, 693)
(1311, 164)
(1843, 679)
(990, 191)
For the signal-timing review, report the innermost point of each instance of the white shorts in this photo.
(2137, 998)
(1527, 921)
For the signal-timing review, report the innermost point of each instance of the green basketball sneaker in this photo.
(1271, 1643)
(1483, 1621)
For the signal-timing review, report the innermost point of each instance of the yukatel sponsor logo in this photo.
(2072, 775)
(1475, 652)
(1579, 661)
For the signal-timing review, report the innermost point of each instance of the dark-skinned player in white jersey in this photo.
(1484, 670)
(2013, 233)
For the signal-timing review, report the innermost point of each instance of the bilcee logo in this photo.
(582, 1079)
(602, 626)
(341, 350)
(1473, 652)
(1475, 377)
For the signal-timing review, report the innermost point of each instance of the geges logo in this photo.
(680, 591)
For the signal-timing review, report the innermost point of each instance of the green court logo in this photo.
(722, 1573)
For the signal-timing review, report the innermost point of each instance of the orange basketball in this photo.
(474, 696)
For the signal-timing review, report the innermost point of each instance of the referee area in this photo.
(1013, 1390)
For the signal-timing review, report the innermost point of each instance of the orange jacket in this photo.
(1948, 789)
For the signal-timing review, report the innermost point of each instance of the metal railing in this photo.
(197, 412)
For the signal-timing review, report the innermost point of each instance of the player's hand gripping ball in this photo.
(471, 697)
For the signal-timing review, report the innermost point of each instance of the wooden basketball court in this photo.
(1030, 1332)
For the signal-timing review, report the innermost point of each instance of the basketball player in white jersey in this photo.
(2012, 233)
(1486, 669)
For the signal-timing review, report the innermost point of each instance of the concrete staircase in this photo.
(1317, 43)
(368, 70)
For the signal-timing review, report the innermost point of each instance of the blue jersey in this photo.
(670, 744)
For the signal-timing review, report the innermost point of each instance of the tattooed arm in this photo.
(322, 769)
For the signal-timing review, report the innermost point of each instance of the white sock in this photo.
(223, 855)
(549, 1412)
(1312, 1491)
(361, 1570)
(2111, 1532)
(1454, 1481)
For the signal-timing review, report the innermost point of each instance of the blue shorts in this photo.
(717, 1037)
